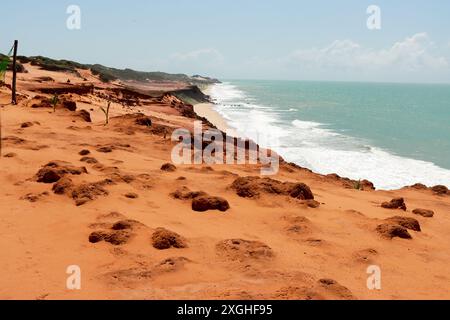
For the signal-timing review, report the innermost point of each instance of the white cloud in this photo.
(412, 54)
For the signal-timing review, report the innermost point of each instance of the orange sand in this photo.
(338, 241)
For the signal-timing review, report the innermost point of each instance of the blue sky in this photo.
(247, 39)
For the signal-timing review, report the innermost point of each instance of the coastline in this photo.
(207, 111)
(322, 160)
(286, 244)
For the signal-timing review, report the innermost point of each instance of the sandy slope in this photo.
(206, 110)
(337, 241)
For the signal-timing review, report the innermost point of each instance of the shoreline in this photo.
(124, 178)
(207, 110)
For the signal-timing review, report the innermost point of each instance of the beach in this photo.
(109, 200)
(357, 130)
(207, 110)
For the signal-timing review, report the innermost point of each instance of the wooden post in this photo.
(14, 79)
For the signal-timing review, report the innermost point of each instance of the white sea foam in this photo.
(314, 146)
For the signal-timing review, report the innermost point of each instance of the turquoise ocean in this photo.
(391, 134)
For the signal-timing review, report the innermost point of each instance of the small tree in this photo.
(106, 112)
(54, 101)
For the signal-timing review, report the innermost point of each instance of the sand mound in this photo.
(297, 225)
(365, 256)
(63, 186)
(163, 239)
(408, 223)
(137, 276)
(170, 265)
(34, 197)
(390, 231)
(84, 152)
(242, 250)
(111, 216)
(89, 160)
(419, 186)
(10, 155)
(185, 194)
(440, 190)
(128, 277)
(206, 203)
(113, 146)
(55, 170)
(90, 191)
(84, 115)
(201, 201)
(142, 120)
(26, 125)
(105, 149)
(362, 185)
(168, 167)
(132, 123)
(311, 204)
(252, 187)
(131, 195)
(127, 225)
(14, 141)
(424, 213)
(118, 234)
(69, 105)
(298, 293)
(41, 102)
(334, 288)
(397, 203)
(116, 238)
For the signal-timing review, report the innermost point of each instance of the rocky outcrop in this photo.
(55, 170)
(397, 203)
(115, 238)
(397, 227)
(362, 185)
(86, 192)
(206, 203)
(390, 231)
(63, 186)
(84, 152)
(424, 213)
(142, 120)
(84, 115)
(440, 190)
(70, 105)
(243, 250)
(185, 194)
(163, 239)
(168, 167)
(192, 93)
(405, 222)
(67, 88)
(253, 187)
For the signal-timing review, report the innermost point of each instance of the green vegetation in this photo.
(107, 74)
(6, 63)
(54, 102)
(51, 64)
(191, 95)
(106, 112)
